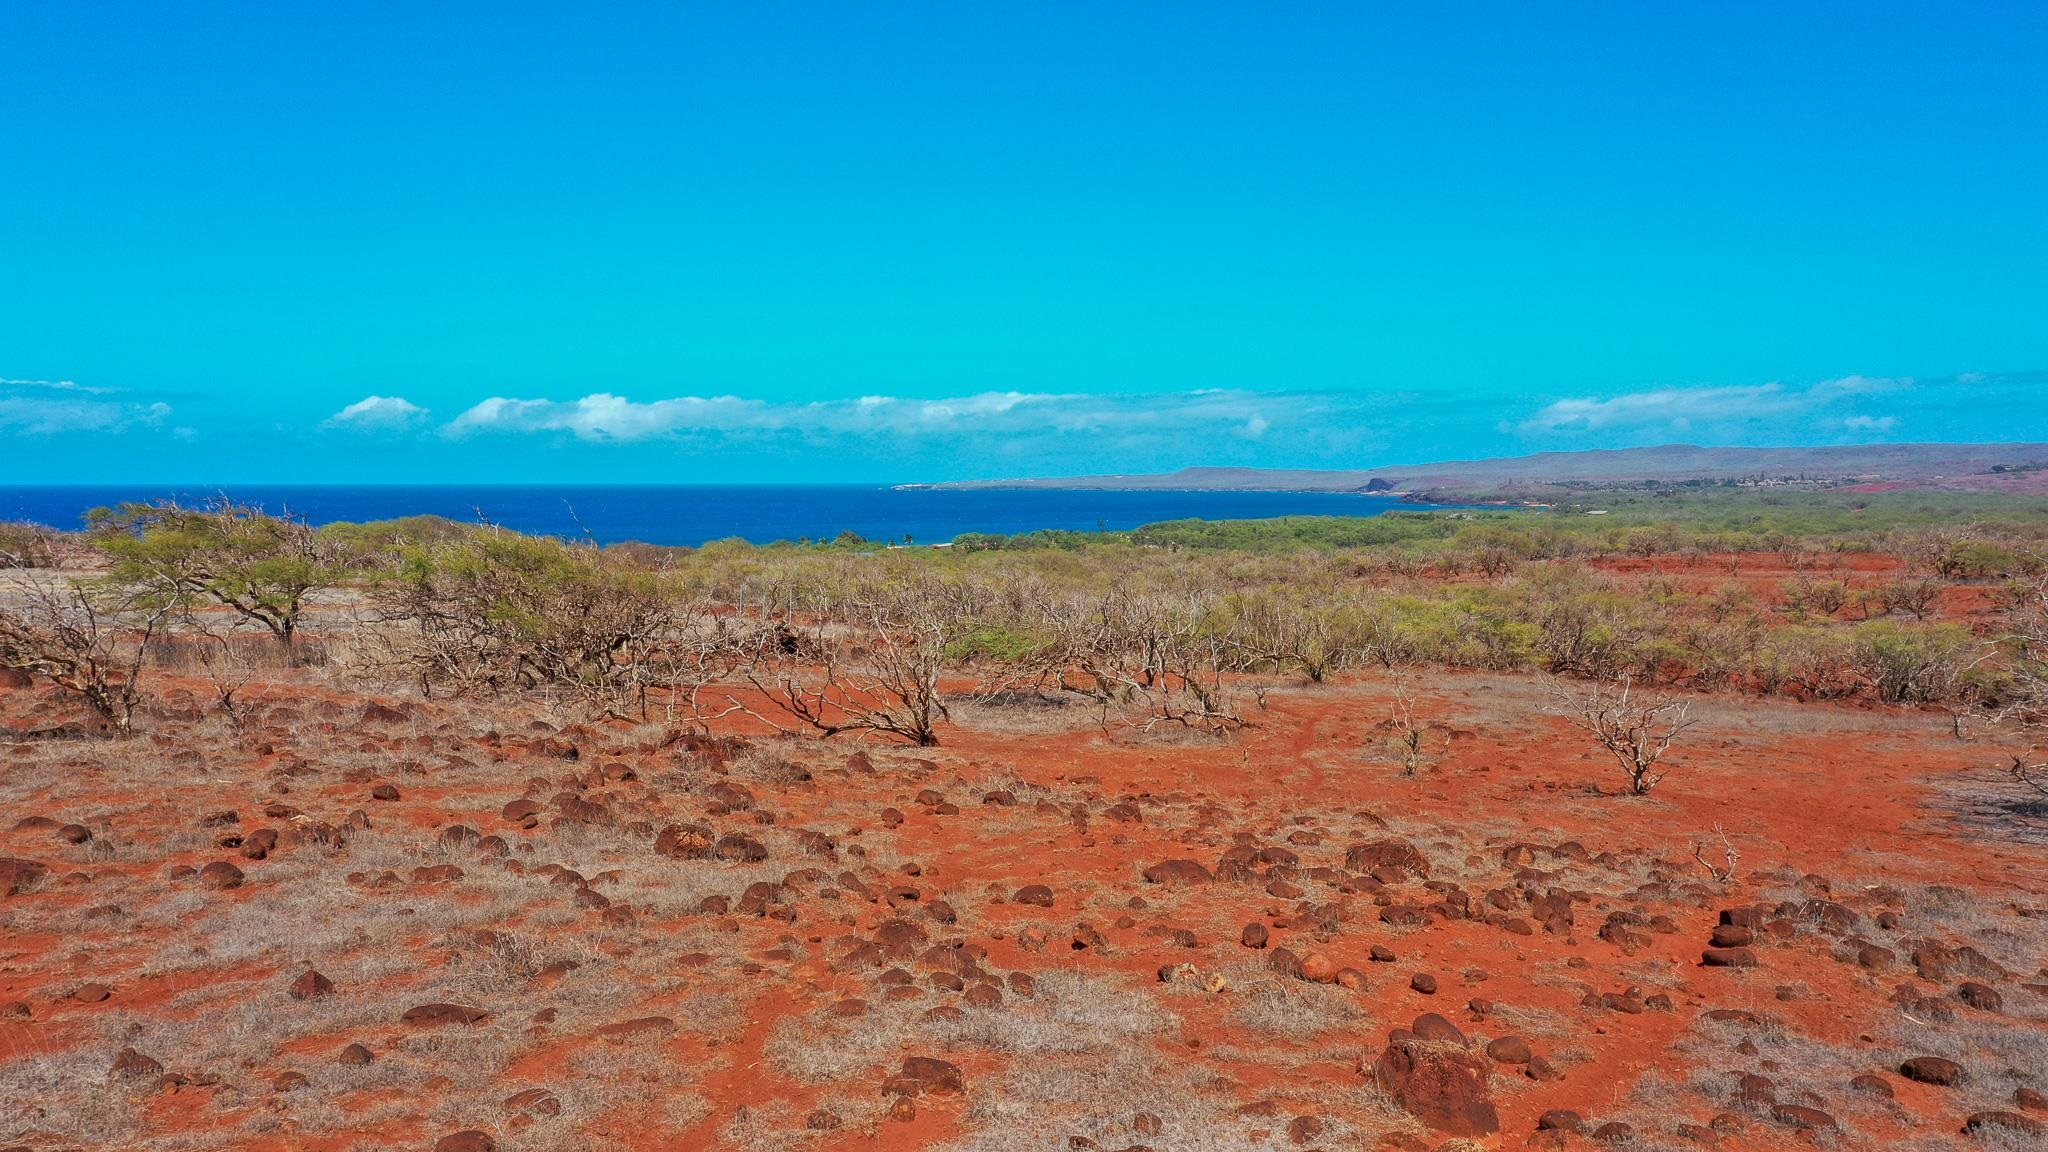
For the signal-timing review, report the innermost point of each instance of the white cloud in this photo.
(603, 416)
(378, 413)
(57, 386)
(1675, 407)
(54, 407)
(1720, 411)
(1867, 386)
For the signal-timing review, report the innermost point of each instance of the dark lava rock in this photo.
(221, 876)
(438, 1014)
(133, 1066)
(1177, 873)
(2004, 1123)
(1442, 1085)
(1932, 1070)
(310, 985)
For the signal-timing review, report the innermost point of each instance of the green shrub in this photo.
(1912, 664)
(25, 545)
(998, 643)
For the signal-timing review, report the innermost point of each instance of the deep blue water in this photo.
(694, 514)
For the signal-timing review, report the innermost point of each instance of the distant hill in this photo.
(2001, 466)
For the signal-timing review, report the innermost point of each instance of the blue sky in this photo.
(767, 242)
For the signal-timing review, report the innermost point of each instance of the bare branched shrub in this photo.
(1823, 597)
(2025, 710)
(870, 661)
(1147, 660)
(1305, 628)
(1719, 873)
(1635, 730)
(88, 639)
(1915, 596)
(1409, 733)
(228, 669)
(1911, 665)
(1818, 663)
(1584, 627)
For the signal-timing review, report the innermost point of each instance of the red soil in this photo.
(1864, 807)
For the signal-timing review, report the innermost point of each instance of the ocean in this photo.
(691, 515)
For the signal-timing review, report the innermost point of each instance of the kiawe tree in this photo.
(261, 567)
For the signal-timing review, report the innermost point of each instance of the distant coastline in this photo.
(2018, 466)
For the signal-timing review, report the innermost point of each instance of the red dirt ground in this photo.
(1874, 842)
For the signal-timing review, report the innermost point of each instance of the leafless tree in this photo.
(1494, 561)
(1819, 663)
(88, 639)
(1637, 732)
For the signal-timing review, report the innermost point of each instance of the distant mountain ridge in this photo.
(1941, 465)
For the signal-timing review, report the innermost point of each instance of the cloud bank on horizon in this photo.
(1848, 409)
(605, 436)
(602, 417)
(1822, 413)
